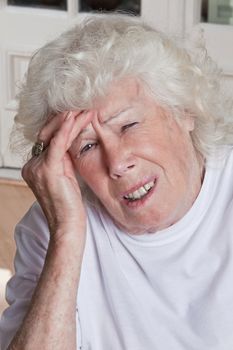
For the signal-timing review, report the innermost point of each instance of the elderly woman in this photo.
(130, 243)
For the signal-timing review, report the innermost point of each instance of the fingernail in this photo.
(69, 114)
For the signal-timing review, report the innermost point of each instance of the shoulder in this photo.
(219, 169)
(31, 236)
(33, 224)
(34, 217)
(229, 156)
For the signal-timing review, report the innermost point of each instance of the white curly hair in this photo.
(78, 67)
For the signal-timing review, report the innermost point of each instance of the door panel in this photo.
(22, 31)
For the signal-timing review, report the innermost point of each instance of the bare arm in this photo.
(50, 322)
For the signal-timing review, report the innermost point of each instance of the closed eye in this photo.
(127, 126)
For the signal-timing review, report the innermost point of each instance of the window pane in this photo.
(131, 6)
(48, 4)
(217, 11)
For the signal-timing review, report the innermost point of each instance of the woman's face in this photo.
(138, 160)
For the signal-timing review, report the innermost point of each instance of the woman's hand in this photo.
(52, 178)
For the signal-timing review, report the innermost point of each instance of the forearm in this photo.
(50, 322)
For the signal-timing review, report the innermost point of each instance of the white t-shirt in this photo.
(169, 290)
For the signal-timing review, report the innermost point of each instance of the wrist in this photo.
(68, 231)
(68, 243)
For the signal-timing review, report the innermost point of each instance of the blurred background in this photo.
(26, 25)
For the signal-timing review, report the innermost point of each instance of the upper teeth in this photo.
(140, 192)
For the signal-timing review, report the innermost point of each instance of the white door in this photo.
(22, 31)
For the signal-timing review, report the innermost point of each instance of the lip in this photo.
(138, 204)
(138, 185)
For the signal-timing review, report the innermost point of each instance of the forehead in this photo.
(121, 96)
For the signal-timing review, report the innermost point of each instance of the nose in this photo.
(119, 159)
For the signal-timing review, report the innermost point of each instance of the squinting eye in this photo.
(127, 126)
(87, 147)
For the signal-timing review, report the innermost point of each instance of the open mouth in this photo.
(140, 192)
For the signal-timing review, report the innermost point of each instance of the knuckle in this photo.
(55, 140)
(24, 172)
(33, 174)
(42, 136)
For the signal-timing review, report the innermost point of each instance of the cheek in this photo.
(170, 155)
(90, 168)
(155, 148)
(84, 168)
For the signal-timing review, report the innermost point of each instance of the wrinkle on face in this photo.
(158, 146)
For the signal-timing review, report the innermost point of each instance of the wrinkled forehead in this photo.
(121, 101)
(121, 96)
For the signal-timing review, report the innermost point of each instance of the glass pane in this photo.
(217, 11)
(48, 4)
(131, 6)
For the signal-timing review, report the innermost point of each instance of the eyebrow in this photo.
(108, 120)
(117, 115)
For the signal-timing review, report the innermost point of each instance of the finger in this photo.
(53, 124)
(64, 137)
(30, 169)
(81, 122)
(50, 127)
(69, 170)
